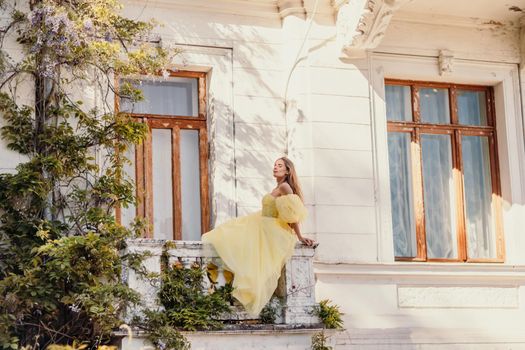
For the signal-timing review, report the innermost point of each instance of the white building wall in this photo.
(396, 305)
(258, 131)
(331, 118)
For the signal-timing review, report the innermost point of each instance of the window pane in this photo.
(190, 181)
(439, 196)
(398, 106)
(434, 106)
(478, 197)
(401, 194)
(171, 96)
(472, 107)
(128, 214)
(162, 184)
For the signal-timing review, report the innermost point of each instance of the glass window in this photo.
(435, 107)
(472, 107)
(162, 170)
(171, 96)
(398, 105)
(190, 185)
(439, 196)
(401, 194)
(480, 223)
(445, 205)
(170, 167)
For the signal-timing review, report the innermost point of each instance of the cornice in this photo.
(274, 9)
(252, 8)
(361, 24)
(454, 21)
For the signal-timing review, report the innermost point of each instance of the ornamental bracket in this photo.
(445, 62)
(361, 24)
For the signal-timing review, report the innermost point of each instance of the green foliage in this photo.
(187, 305)
(269, 313)
(329, 315)
(319, 342)
(161, 333)
(61, 249)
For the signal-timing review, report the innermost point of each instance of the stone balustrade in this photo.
(294, 298)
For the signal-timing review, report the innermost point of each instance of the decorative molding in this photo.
(429, 273)
(336, 4)
(291, 8)
(445, 62)
(361, 24)
(455, 21)
(458, 297)
(266, 9)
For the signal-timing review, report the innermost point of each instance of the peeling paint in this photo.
(493, 22)
(516, 9)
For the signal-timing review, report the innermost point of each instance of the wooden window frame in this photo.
(415, 128)
(143, 159)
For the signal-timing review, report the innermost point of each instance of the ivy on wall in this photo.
(60, 245)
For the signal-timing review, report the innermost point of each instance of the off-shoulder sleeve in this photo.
(290, 208)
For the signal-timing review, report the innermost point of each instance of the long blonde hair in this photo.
(291, 178)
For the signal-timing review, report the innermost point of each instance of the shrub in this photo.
(60, 245)
(329, 315)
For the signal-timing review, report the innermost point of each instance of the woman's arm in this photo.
(297, 230)
(285, 189)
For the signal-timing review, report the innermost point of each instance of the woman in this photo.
(256, 247)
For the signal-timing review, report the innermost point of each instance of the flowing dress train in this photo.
(255, 248)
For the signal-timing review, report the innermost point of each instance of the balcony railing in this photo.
(295, 288)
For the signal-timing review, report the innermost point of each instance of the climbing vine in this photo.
(186, 304)
(60, 245)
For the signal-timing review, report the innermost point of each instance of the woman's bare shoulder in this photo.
(285, 188)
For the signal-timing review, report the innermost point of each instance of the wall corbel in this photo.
(362, 24)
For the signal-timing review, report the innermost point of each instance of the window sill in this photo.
(450, 272)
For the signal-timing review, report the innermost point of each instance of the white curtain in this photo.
(439, 196)
(478, 197)
(434, 106)
(162, 184)
(401, 194)
(472, 107)
(170, 96)
(190, 182)
(398, 105)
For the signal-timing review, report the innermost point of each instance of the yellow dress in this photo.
(256, 247)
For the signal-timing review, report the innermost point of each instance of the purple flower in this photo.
(88, 25)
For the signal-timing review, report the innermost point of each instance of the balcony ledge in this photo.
(296, 286)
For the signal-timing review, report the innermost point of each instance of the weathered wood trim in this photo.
(419, 203)
(456, 131)
(457, 160)
(204, 181)
(176, 182)
(148, 182)
(143, 159)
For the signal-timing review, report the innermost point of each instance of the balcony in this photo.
(295, 288)
(294, 324)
